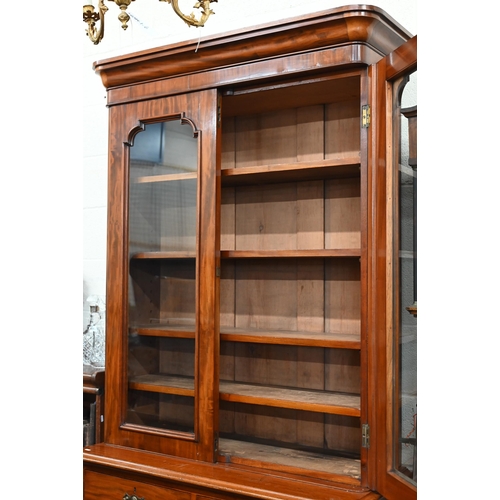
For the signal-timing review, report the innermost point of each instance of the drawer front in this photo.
(97, 486)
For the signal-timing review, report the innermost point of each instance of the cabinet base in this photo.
(115, 472)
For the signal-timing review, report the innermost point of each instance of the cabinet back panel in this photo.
(280, 217)
(143, 408)
(342, 214)
(266, 139)
(287, 366)
(312, 215)
(177, 356)
(227, 289)
(143, 357)
(178, 220)
(228, 219)
(292, 135)
(227, 361)
(178, 297)
(156, 356)
(163, 216)
(144, 219)
(177, 412)
(144, 291)
(342, 129)
(269, 295)
(313, 295)
(343, 433)
(310, 133)
(290, 428)
(274, 425)
(343, 296)
(335, 370)
(164, 411)
(162, 290)
(342, 370)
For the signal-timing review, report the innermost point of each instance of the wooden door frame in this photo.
(382, 477)
(125, 120)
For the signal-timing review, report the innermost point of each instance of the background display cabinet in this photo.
(247, 264)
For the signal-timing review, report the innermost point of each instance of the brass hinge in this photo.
(365, 436)
(365, 116)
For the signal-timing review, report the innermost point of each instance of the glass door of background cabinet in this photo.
(162, 288)
(163, 199)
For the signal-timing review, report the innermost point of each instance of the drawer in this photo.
(97, 486)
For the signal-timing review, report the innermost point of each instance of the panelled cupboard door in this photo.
(99, 486)
(162, 289)
(393, 290)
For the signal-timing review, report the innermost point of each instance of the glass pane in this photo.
(405, 343)
(162, 276)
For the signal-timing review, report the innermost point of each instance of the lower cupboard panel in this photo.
(103, 487)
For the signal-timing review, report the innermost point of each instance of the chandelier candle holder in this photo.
(95, 18)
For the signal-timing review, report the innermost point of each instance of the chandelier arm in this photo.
(95, 20)
(91, 17)
(191, 19)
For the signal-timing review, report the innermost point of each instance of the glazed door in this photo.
(162, 278)
(394, 274)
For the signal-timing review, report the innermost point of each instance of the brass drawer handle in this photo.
(133, 497)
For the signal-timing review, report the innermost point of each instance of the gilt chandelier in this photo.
(95, 18)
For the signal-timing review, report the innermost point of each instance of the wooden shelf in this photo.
(278, 337)
(295, 399)
(245, 453)
(184, 331)
(288, 172)
(165, 384)
(274, 337)
(279, 397)
(182, 254)
(268, 254)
